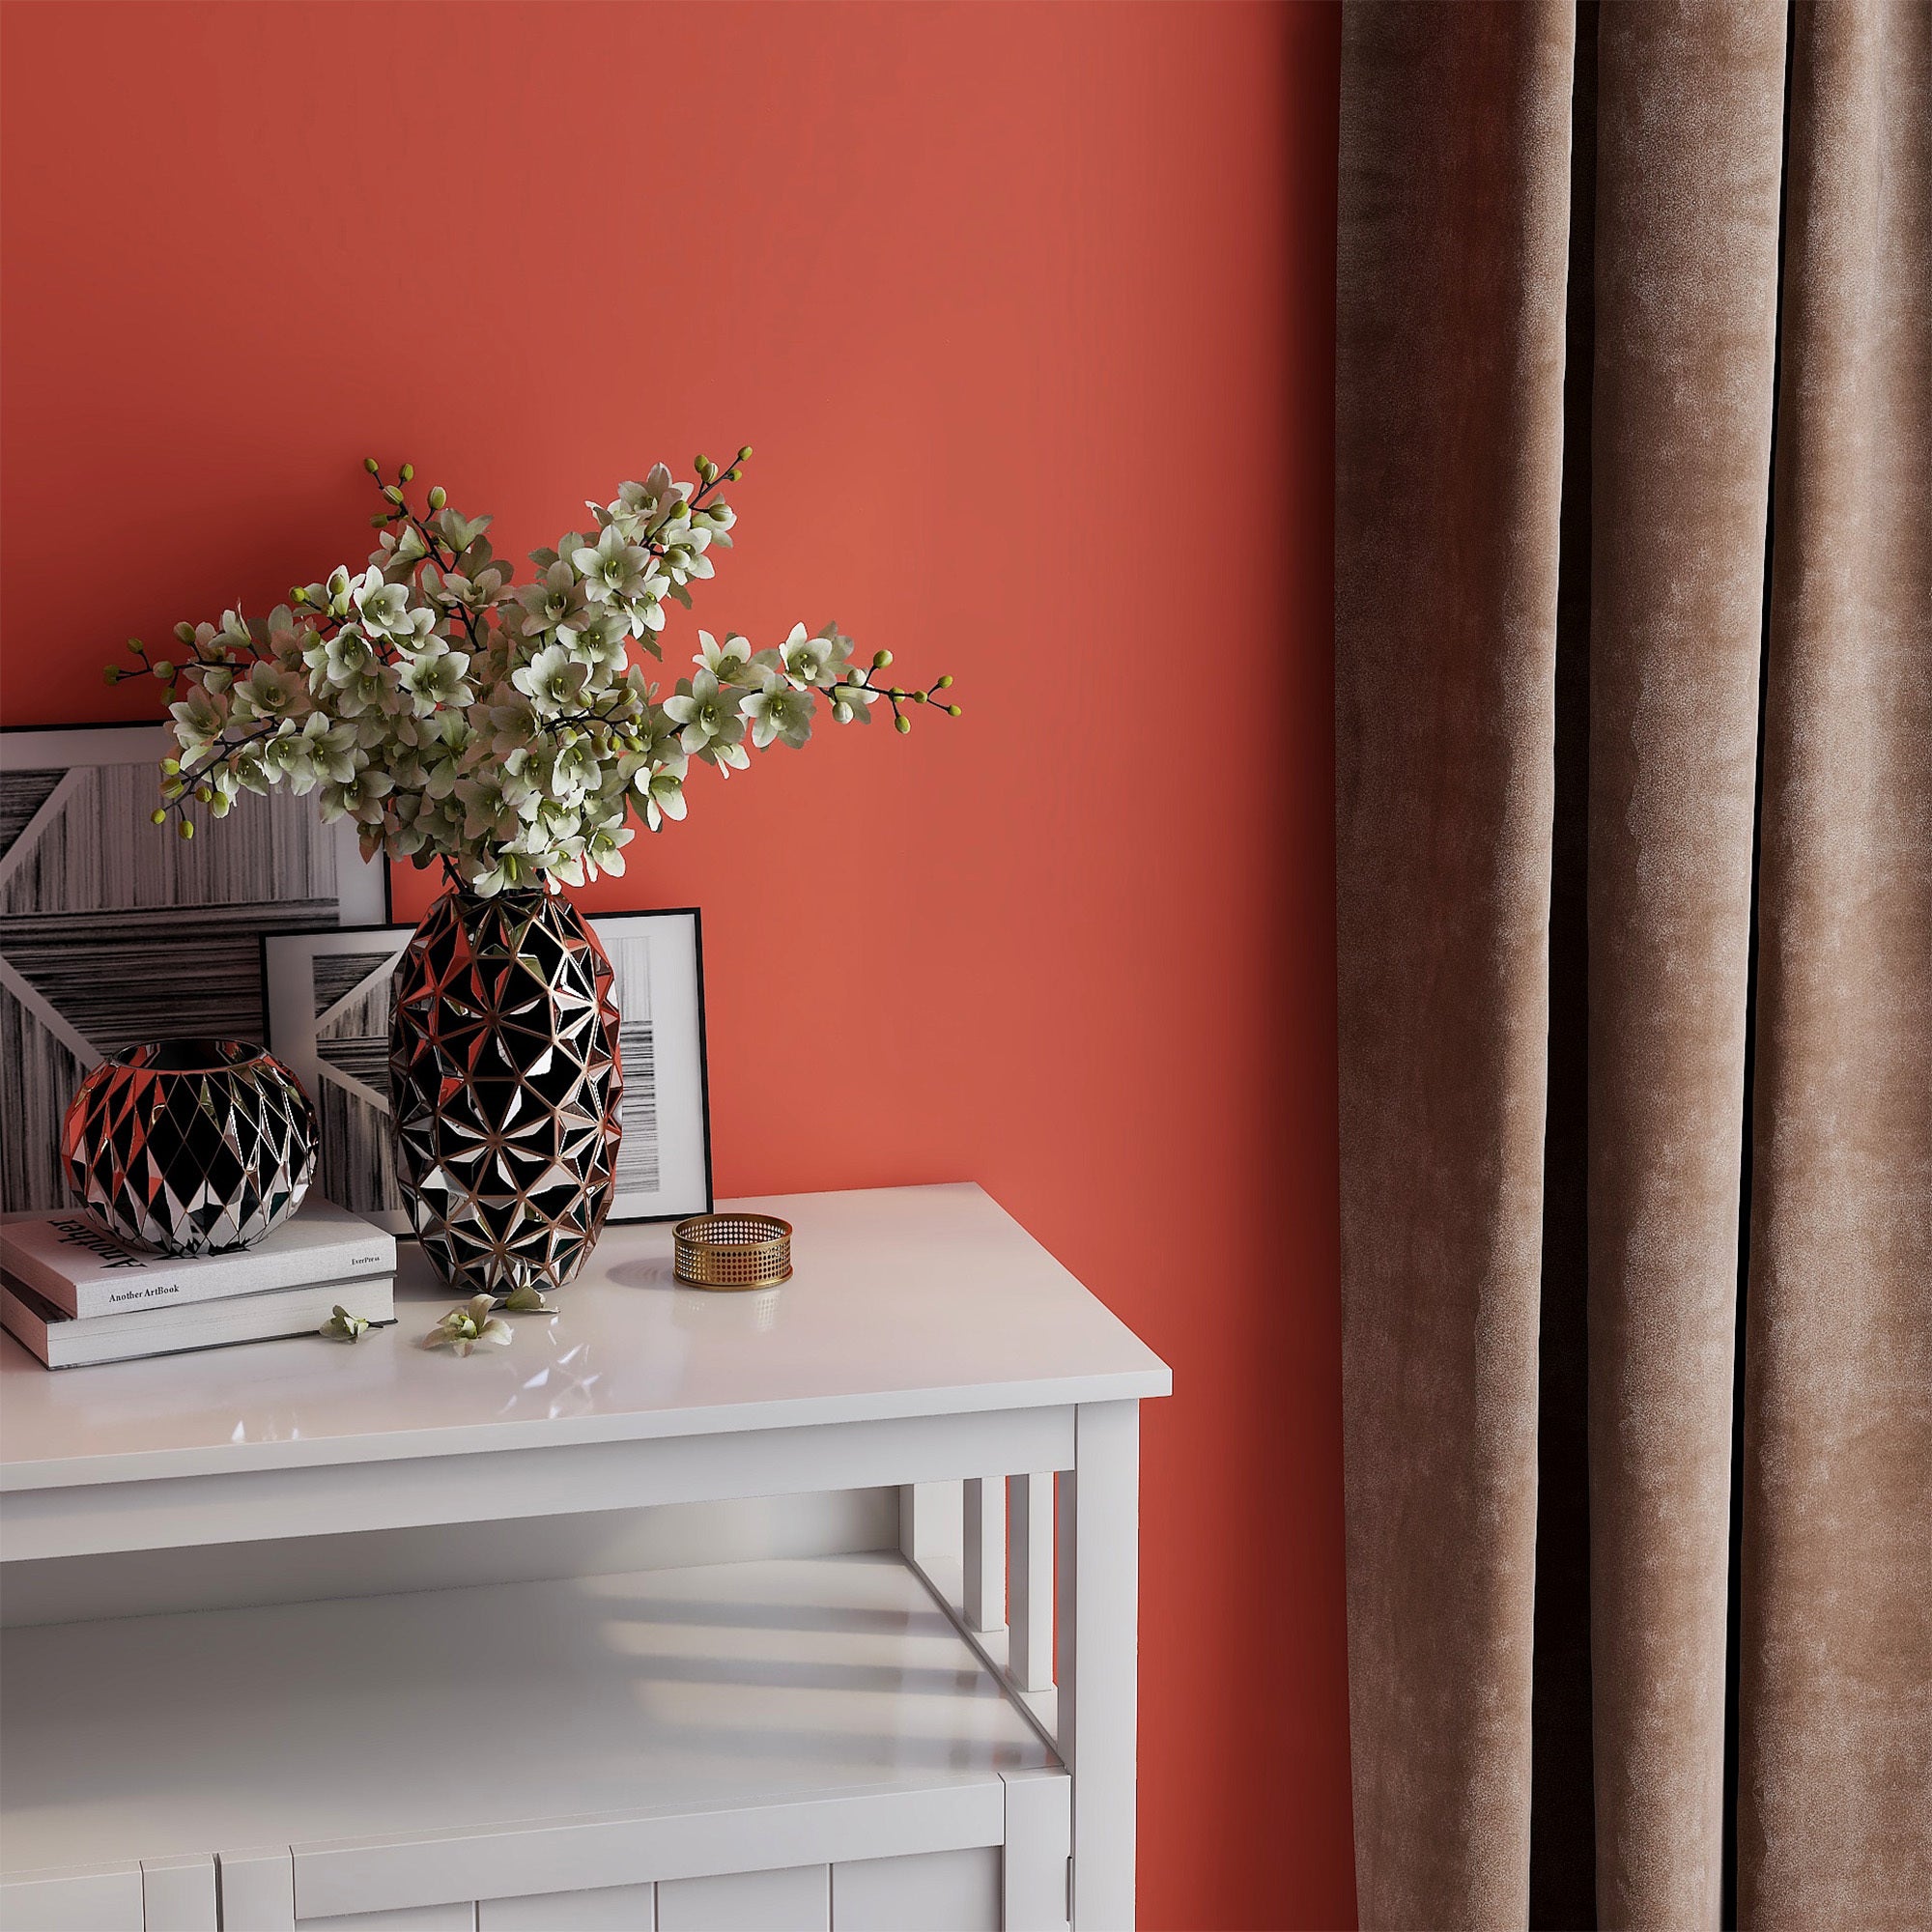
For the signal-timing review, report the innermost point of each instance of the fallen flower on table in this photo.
(529, 1299)
(464, 1327)
(342, 1326)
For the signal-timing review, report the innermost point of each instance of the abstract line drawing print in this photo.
(329, 1001)
(352, 999)
(113, 932)
(638, 1164)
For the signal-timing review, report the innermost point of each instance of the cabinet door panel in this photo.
(178, 1895)
(604, 1908)
(258, 1889)
(104, 1898)
(936, 1891)
(794, 1899)
(460, 1917)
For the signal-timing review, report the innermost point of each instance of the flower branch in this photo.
(502, 731)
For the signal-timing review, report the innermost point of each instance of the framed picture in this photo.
(328, 1021)
(113, 931)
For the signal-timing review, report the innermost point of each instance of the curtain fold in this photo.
(1697, 733)
(1448, 478)
(1835, 1783)
(1690, 140)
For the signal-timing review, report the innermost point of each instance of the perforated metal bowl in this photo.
(731, 1251)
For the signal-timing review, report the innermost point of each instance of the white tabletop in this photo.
(905, 1301)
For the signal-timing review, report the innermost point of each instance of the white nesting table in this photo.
(839, 1731)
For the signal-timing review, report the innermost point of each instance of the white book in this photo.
(63, 1342)
(86, 1273)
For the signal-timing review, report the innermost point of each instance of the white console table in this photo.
(685, 1611)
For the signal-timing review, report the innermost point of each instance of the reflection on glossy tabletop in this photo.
(995, 1323)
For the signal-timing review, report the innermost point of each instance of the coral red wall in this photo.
(1028, 312)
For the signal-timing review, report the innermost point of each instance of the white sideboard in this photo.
(812, 1607)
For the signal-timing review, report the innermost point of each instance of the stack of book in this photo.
(73, 1294)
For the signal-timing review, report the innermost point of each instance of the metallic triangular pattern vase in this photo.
(504, 1082)
(190, 1146)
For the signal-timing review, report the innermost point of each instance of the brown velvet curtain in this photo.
(1834, 1823)
(1633, 718)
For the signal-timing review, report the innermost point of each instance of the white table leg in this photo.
(930, 1526)
(985, 1567)
(1097, 1644)
(1030, 1580)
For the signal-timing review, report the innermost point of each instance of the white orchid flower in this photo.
(342, 1326)
(552, 681)
(605, 851)
(778, 711)
(435, 677)
(728, 661)
(349, 655)
(661, 796)
(267, 692)
(809, 661)
(555, 598)
(468, 1325)
(360, 798)
(611, 567)
(199, 719)
(709, 716)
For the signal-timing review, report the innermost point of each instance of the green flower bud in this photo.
(297, 594)
(881, 659)
(112, 675)
(183, 631)
(370, 464)
(158, 816)
(203, 794)
(185, 828)
(169, 767)
(377, 523)
(945, 683)
(390, 491)
(165, 670)
(409, 473)
(745, 452)
(952, 711)
(438, 497)
(902, 725)
(919, 697)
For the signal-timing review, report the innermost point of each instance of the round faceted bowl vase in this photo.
(190, 1146)
(504, 1084)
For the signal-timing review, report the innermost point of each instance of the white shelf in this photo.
(468, 1752)
(907, 1303)
(672, 1692)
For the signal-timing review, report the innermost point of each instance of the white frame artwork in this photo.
(113, 932)
(328, 1023)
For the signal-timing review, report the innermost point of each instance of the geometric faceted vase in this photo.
(504, 1086)
(190, 1146)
